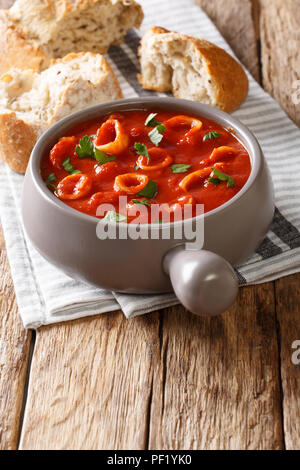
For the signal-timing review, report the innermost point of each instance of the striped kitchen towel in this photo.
(45, 295)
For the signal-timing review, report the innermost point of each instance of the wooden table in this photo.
(168, 380)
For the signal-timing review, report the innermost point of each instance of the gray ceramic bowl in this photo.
(203, 280)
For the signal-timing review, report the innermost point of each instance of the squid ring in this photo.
(130, 183)
(74, 186)
(102, 198)
(182, 120)
(61, 150)
(222, 152)
(193, 178)
(155, 152)
(121, 141)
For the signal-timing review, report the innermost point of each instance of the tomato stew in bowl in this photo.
(160, 157)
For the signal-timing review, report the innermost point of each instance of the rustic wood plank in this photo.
(235, 22)
(280, 46)
(280, 43)
(288, 314)
(14, 355)
(256, 18)
(217, 386)
(90, 384)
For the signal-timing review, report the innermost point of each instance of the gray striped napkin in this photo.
(45, 295)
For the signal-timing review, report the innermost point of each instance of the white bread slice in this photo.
(33, 32)
(30, 102)
(192, 69)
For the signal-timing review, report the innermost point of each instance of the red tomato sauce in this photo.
(117, 157)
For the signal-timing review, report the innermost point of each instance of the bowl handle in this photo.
(204, 282)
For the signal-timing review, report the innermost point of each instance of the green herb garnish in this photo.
(214, 180)
(151, 121)
(143, 201)
(85, 149)
(211, 135)
(156, 135)
(69, 167)
(52, 187)
(149, 191)
(112, 216)
(180, 168)
(142, 150)
(223, 177)
(161, 128)
(102, 157)
(136, 167)
(51, 178)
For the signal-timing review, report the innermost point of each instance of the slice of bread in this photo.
(33, 32)
(191, 68)
(30, 102)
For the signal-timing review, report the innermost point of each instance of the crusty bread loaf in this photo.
(191, 68)
(30, 101)
(33, 32)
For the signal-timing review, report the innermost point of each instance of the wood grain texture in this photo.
(90, 384)
(234, 20)
(280, 43)
(218, 386)
(14, 354)
(256, 18)
(288, 314)
(280, 53)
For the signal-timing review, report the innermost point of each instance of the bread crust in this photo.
(20, 47)
(60, 8)
(229, 80)
(17, 140)
(18, 137)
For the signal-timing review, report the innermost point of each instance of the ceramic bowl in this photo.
(204, 279)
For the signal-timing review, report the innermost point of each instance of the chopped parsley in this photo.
(51, 178)
(85, 149)
(151, 121)
(180, 168)
(52, 187)
(102, 157)
(143, 201)
(218, 175)
(211, 135)
(150, 190)
(214, 180)
(142, 150)
(69, 167)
